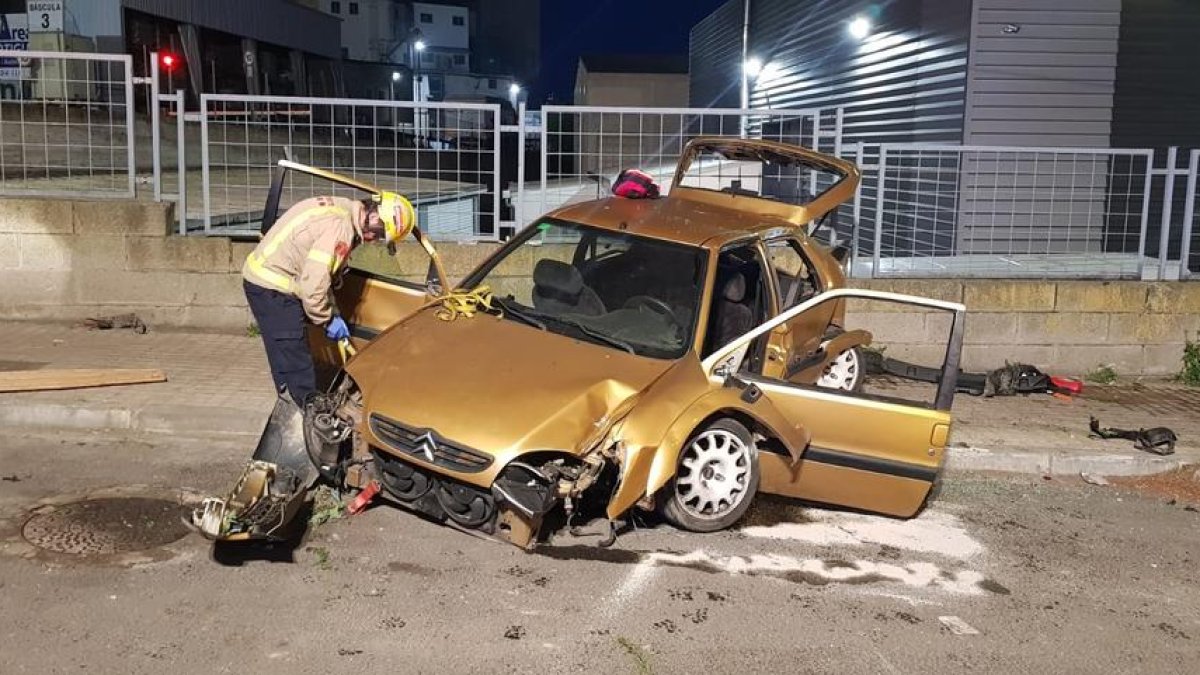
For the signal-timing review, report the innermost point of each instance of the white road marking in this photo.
(932, 532)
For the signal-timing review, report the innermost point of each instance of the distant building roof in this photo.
(636, 63)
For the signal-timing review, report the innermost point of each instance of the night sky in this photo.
(571, 28)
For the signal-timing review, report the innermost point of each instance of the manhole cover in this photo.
(106, 526)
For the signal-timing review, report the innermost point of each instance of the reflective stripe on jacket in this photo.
(303, 249)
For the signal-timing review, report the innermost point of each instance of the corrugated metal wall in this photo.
(715, 57)
(277, 22)
(905, 82)
(1043, 73)
(1157, 100)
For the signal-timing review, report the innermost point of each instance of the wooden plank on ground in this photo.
(43, 380)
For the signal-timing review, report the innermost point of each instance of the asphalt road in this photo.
(1042, 576)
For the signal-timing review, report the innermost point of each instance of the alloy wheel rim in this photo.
(841, 373)
(713, 474)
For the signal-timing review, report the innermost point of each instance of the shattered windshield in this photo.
(620, 290)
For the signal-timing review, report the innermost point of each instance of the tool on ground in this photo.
(1156, 440)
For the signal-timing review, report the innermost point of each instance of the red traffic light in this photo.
(169, 61)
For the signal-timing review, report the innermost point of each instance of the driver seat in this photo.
(731, 316)
(558, 288)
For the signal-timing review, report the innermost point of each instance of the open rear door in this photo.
(879, 448)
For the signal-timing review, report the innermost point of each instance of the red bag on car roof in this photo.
(635, 184)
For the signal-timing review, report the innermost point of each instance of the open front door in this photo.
(879, 448)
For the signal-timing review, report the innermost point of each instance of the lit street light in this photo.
(752, 67)
(860, 27)
(514, 89)
(419, 45)
(396, 76)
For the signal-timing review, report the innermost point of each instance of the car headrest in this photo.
(559, 278)
(735, 288)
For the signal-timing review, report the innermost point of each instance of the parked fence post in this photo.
(204, 164)
(879, 211)
(155, 132)
(130, 132)
(181, 156)
(1189, 212)
(519, 199)
(1164, 236)
(856, 227)
(1146, 186)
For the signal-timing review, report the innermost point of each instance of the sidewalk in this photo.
(219, 384)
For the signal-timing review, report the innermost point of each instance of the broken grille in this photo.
(429, 446)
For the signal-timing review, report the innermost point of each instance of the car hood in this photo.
(496, 385)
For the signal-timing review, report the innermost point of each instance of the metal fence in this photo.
(66, 124)
(583, 148)
(443, 156)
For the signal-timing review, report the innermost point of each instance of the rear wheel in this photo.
(716, 478)
(844, 372)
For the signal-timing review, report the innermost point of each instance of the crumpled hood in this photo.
(496, 385)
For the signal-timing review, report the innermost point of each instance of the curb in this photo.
(161, 419)
(1058, 463)
(248, 421)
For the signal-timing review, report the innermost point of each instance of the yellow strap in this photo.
(346, 349)
(464, 303)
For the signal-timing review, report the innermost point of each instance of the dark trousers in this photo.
(282, 324)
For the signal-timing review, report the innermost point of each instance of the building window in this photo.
(460, 60)
(354, 8)
(335, 7)
(426, 17)
(458, 21)
(491, 83)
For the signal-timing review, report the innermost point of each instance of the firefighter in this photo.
(288, 277)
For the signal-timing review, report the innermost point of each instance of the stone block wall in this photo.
(67, 260)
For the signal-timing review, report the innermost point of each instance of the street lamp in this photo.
(859, 27)
(514, 89)
(396, 76)
(419, 45)
(752, 67)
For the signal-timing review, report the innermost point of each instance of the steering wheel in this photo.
(655, 305)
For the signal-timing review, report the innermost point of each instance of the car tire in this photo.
(715, 480)
(846, 372)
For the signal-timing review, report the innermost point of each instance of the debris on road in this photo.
(44, 380)
(130, 321)
(1157, 440)
(957, 626)
(1092, 479)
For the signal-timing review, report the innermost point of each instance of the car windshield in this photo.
(621, 290)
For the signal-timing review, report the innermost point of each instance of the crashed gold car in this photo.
(678, 355)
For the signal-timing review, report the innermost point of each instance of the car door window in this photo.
(794, 277)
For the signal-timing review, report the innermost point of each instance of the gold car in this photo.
(678, 354)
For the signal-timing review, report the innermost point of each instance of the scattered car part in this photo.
(130, 321)
(1156, 440)
(46, 380)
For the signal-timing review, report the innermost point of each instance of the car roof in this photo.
(675, 219)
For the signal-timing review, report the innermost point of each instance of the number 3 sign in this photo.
(45, 16)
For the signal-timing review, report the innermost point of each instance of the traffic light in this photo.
(169, 61)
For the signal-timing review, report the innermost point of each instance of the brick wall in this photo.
(68, 260)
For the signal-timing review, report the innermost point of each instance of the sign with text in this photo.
(14, 36)
(45, 16)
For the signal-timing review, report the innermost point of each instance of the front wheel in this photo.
(715, 480)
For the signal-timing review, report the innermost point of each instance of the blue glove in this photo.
(337, 329)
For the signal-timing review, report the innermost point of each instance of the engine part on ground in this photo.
(1010, 380)
(272, 487)
(130, 321)
(1156, 440)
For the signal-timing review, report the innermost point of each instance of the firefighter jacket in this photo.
(303, 251)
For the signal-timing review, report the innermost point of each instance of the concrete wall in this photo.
(69, 260)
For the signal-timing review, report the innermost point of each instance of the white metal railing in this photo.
(66, 124)
(928, 210)
(584, 147)
(444, 156)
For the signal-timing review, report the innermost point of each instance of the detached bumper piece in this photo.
(271, 489)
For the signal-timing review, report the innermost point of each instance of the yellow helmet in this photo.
(391, 206)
